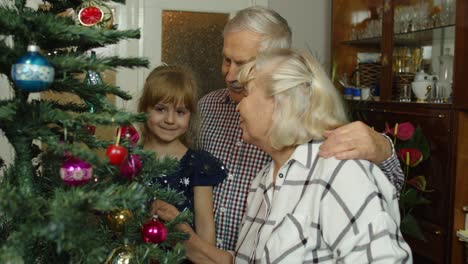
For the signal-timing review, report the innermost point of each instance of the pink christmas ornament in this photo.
(153, 232)
(130, 167)
(75, 172)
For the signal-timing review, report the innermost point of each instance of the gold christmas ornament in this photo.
(118, 219)
(120, 255)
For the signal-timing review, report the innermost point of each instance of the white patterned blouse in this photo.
(321, 211)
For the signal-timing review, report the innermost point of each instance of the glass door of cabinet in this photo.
(357, 33)
(423, 50)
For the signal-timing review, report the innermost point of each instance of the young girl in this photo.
(170, 99)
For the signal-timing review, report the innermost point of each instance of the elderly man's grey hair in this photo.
(269, 24)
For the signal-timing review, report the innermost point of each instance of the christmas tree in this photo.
(60, 201)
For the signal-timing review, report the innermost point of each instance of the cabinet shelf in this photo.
(410, 39)
(364, 104)
(445, 125)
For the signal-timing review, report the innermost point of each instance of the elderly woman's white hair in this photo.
(273, 28)
(306, 102)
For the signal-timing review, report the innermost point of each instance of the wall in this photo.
(310, 21)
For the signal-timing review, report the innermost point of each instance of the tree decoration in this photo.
(95, 13)
(91, 129)
(130, 167)
(93, 77)
(116, 153)
(32, 72)
(118, 219)
(75, 172)
(153, 231)
(130, 134)
(121, 255)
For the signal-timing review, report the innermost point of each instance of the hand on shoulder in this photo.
(356, 141)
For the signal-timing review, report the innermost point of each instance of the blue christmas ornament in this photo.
(32, 72)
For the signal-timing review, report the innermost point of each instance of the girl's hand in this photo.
(164, 211)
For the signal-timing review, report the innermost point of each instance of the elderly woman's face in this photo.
(256, 111)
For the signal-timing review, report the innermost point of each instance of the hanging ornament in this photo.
(32, 72)
(153, 231)
(75, 171)
(44, 7)
(91, 129)
(116, 153)
(121, 255)
(130, 134)
(118, 219)
(93, 77)
(95, 13)
(130, 167)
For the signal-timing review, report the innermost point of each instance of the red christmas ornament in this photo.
(91, 129)
(153, 232)
(90, 16)
(130, 134)
(116, 153)
(130, 167)
(95, 13)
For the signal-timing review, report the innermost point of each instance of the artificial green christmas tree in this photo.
(60, 202)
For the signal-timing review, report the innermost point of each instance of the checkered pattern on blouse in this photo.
(321, 211)
(221, 135)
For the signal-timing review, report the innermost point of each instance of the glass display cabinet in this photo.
(399, 61)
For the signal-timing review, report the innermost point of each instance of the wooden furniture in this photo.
(375, 26)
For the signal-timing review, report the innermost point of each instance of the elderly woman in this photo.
(302, 208)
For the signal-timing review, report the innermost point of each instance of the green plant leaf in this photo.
(410, 226)
(422, 142)
(411, 198)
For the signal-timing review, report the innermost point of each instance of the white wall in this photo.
(310, 21)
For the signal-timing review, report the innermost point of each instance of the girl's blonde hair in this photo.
(306, 102)
(170, 84)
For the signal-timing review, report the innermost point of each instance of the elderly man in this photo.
(248, 32)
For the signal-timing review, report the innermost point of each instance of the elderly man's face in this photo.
(256, 113)
(238, 48)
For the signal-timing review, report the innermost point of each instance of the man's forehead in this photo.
(239, 56)
(241, 46)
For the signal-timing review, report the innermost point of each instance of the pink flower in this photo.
(410, 156)
(403, 131)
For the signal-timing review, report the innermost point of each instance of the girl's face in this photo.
(256, 112)
(167, 122)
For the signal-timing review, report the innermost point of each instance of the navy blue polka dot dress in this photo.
(197, 168)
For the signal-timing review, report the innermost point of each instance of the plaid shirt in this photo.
(321, 210)
(221, 135)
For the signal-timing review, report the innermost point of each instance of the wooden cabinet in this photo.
(398, 39)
